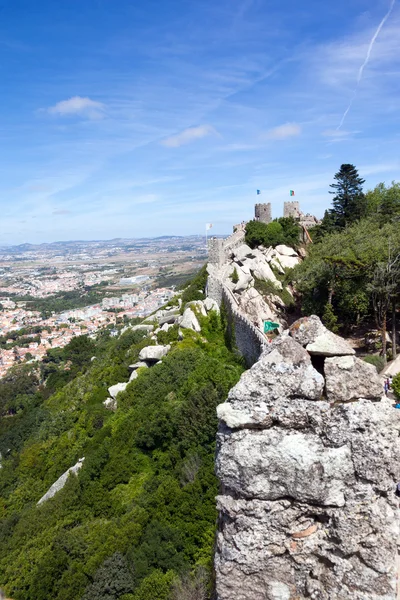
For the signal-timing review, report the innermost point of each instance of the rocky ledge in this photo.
(308, 458)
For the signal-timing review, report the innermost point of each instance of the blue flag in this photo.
(258, 192)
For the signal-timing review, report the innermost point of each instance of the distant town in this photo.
(53, 292)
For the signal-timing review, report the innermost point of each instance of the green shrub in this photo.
(396, 386)
(329, 318)
(195, 288)
(284, 230)
(377, 361)
(234, 276)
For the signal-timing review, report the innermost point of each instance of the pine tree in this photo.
(349, 203)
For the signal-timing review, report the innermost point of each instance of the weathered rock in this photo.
(307, 329)
(190, 321)
(137, 365)
(350, 378)
(114, 390)
(244, 282)
(169, 318)
(330, 344)
(255, 308)
(242, 252)
(153, 353)
(276, 264)
(272, 465)
(318, 340)
(166, 326)
(142, 327)
(61, 481)
(287, 262)
(285, 250)
(197, 305)
(307, 507)
(263, 271)
(110, 404)
(133, 375)
(210, 305)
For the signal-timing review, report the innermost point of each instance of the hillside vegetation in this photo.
(138, 523)
(352, 273)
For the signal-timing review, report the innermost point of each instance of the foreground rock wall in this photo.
(307, 506)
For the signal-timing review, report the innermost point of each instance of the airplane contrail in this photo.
(367, 57)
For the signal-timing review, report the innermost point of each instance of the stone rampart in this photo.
(219, 249)
(248, 339)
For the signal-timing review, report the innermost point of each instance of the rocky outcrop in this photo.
(114, 390)
(308, 461)
(61, 481)
(152, 354)
(189, 320)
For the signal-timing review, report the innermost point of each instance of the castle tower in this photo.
(291, 209)
(262, 212)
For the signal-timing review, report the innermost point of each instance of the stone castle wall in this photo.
(248, 339)
(219, 248)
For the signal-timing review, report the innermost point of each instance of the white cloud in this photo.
(84, 107)
(284, 131)
(188, 135)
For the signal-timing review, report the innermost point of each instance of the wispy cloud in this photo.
(365, 63)
(338, 135)
(84, 107)
(283, 132)
(189, 135)
(61, 211)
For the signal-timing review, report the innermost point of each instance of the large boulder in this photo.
(142, 327)
(189, 320)
(242, 252)
(349, 378)
(114, 390)
(245, 281)
(210, 305)
(287, 262)
(169, 318)
(285, 250)
(255, 308)
(263, 271)
(197, 305)
(318, 340)
(152, 354)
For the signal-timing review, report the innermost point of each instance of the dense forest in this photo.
(139, 521)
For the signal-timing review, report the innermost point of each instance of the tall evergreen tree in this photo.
(349, 203)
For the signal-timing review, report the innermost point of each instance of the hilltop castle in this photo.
(262, 212)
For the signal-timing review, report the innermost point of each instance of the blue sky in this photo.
(130, 119)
